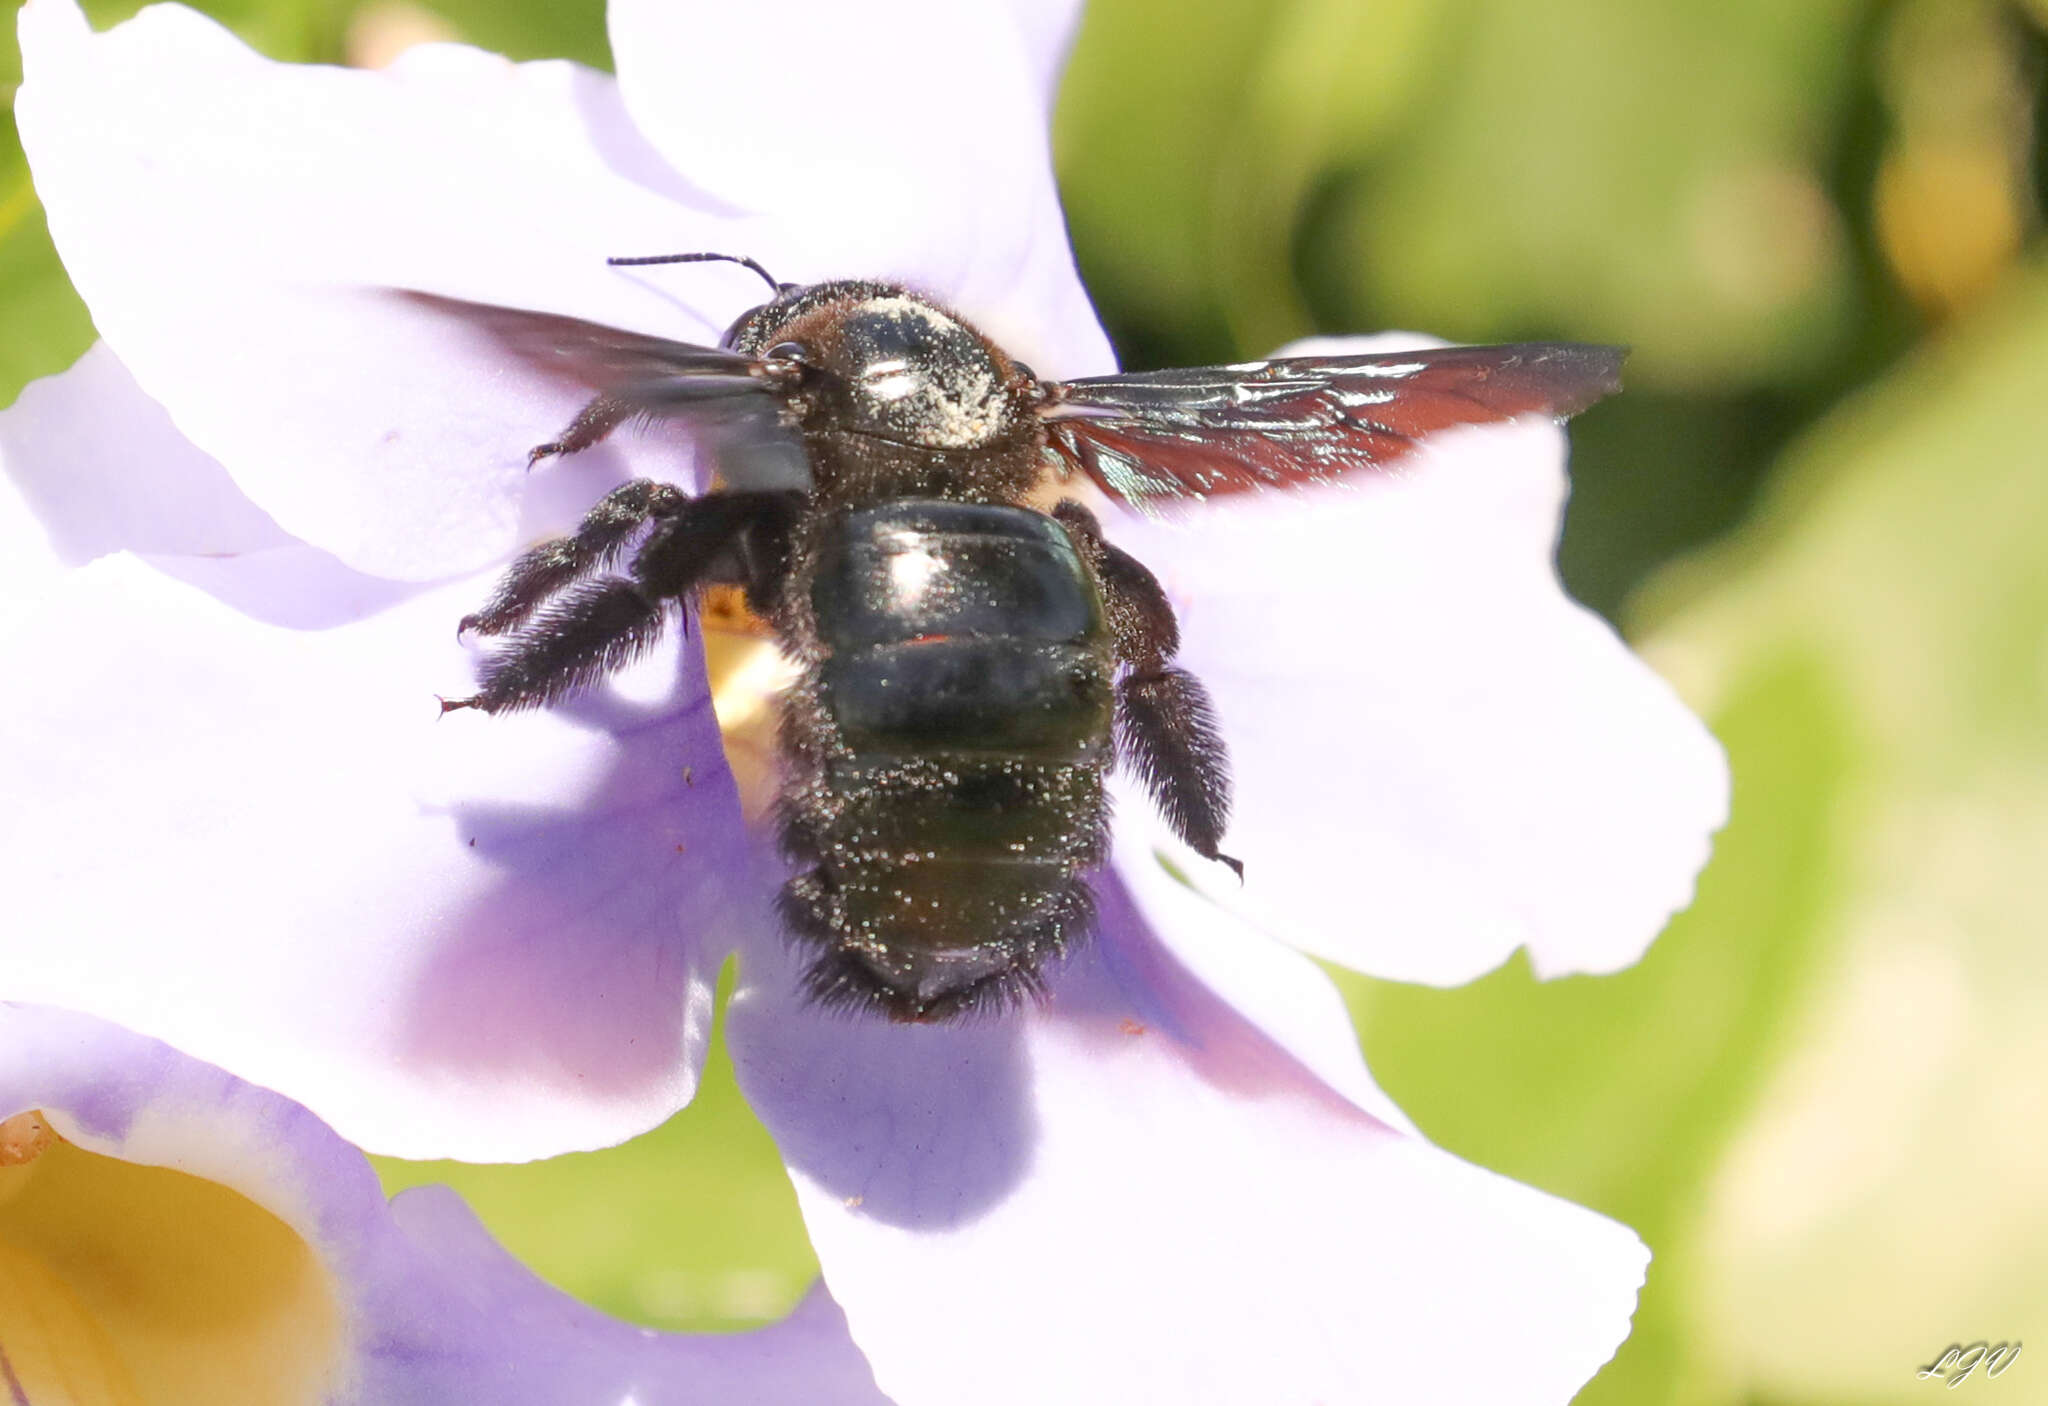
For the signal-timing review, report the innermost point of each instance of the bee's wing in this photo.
(1210, 430)
(629, 365)
(732, 400)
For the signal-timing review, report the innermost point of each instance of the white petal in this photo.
(1047, 27)
(224, 218)
(240, 827)
(1144, 1193)
(31, 563)
(1439, 756)
(104, 470)
(902, 140)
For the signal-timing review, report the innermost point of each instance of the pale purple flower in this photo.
(238, 828)
(187, 1237)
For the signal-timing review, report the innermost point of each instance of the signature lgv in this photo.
(1957, 1362)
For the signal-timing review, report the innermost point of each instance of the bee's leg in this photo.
(735, 539)
(1165, 727)
(592, 423)
(597, 626)
(583, 634)
(550, 566)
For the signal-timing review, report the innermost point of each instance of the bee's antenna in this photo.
(700, 259)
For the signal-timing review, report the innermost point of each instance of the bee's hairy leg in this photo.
(557, 563)
(1166, 731)
(582, 634)
(596, 626)
(592, 423)
(1165, 725)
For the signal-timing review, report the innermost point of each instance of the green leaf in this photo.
(1648, 174)
(1146, 110)
(1335, 82)
(1884, 1198)
(47, 326)
(573, 30)
(294, 31)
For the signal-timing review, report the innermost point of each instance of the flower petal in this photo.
(31, 563)
(1142, 1192)
(217, 1242)
(1048, 28)
(101, 466)
(227, 219)
(237, 828)
(898, 139)
(1439, 756)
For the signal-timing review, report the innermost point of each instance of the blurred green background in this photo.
(1821, 509)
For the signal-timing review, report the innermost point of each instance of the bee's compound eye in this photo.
(790, 351)
(1028, 386)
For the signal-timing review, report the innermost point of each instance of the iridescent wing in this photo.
(1161, 435)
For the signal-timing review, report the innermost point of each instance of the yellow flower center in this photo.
(746, 671)
(126, 1285)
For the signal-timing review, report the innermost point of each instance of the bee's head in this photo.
(874, 359)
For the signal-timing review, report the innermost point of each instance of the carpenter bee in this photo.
(970, 667)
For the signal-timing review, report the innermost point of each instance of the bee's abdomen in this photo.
(955, 787)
